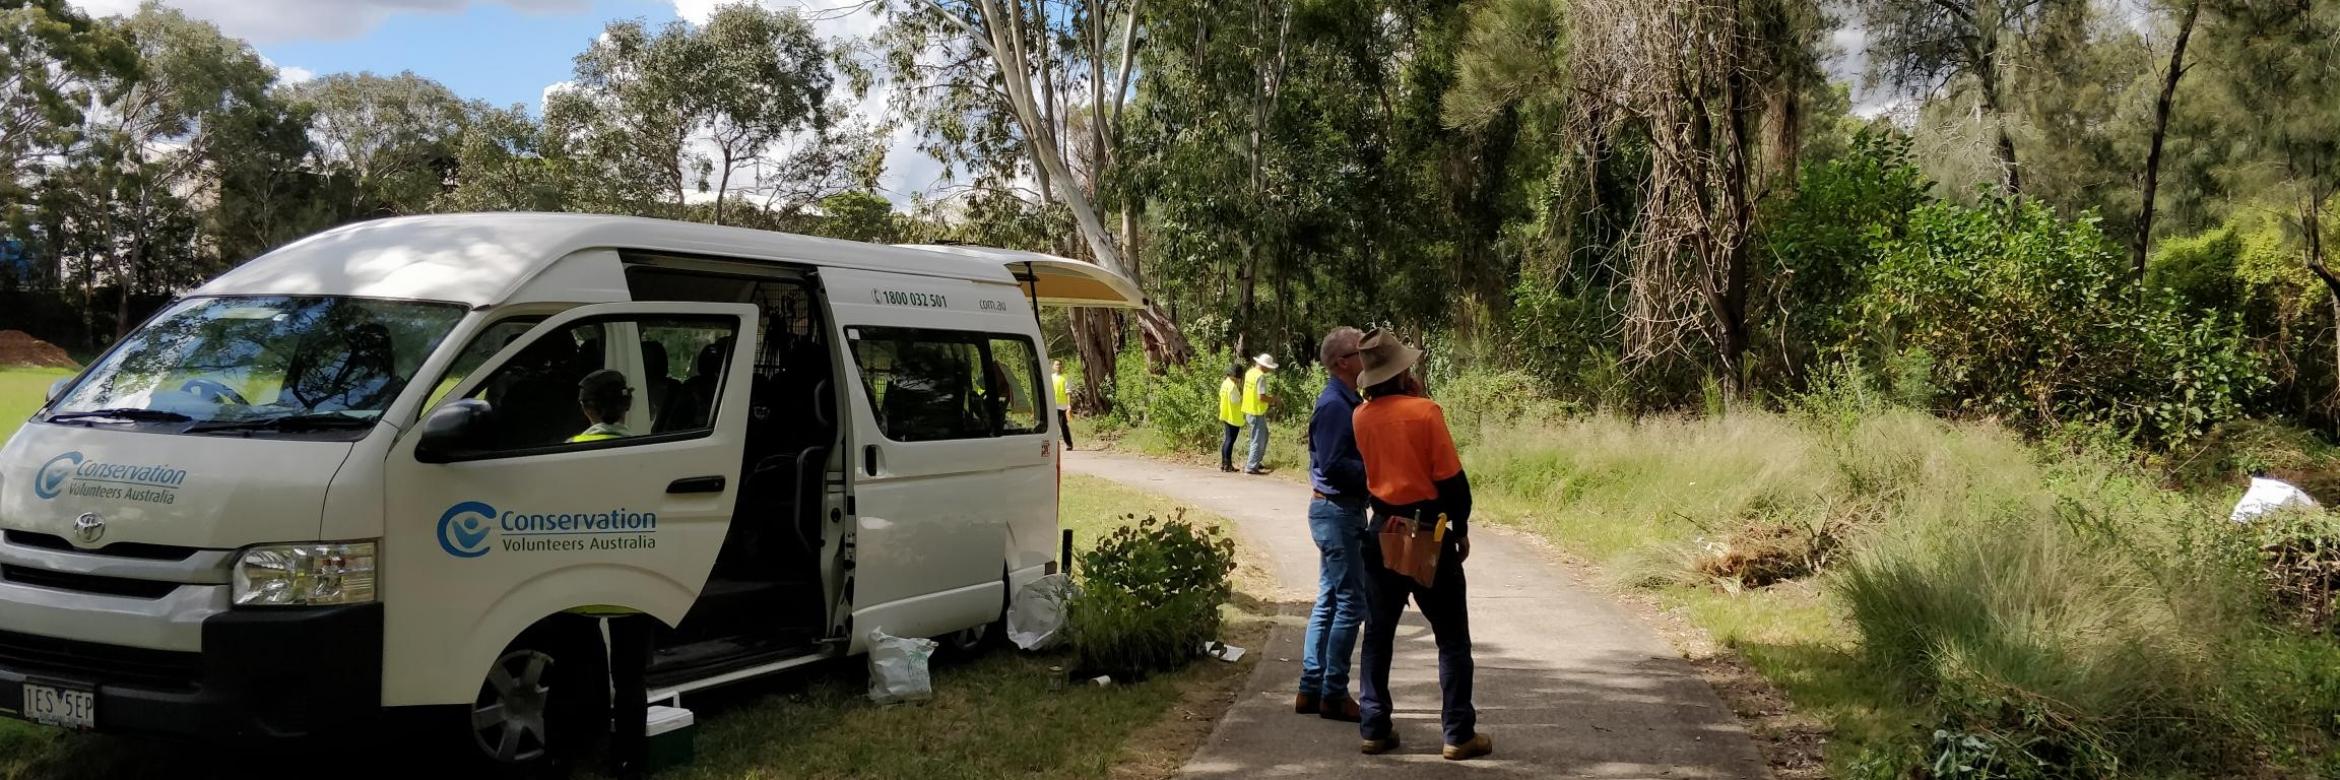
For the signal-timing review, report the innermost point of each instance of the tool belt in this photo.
(1410, 544)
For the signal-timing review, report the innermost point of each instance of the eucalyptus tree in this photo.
(1007, 91)
(1925, 46)
(392, 138)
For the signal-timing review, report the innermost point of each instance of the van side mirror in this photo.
(57, 388)
(454, 430)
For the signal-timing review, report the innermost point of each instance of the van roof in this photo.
(480, 259)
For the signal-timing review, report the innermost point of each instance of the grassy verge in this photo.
(1940, 595)
(21, 392)
(1003, 714)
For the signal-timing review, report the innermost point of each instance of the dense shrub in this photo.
(1181, 403)
(1824, 240)
(2032, 318)
(2251, 267)
(1149, 596)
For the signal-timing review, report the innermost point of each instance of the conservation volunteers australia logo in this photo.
(471, 528)
(72, 473)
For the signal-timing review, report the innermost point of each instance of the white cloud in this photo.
(271, 21)
(288, 74)
(550, 90)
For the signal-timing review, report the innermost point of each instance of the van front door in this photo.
(574, 492)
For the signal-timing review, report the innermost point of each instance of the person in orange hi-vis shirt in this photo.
(1413, 472)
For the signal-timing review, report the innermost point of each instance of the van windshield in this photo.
(260, 366)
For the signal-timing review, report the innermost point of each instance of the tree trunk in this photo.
(1731, 302)
(722, 185)
(2315, 263)
(2161, 111)
(1987, 70)
(1093, 334)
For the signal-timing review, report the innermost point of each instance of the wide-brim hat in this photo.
(1265, 361)
(1385, 356)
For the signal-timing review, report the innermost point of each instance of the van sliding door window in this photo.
(1018, 369)
(935, 385)
(543, 400)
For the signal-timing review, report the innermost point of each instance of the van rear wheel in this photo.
(545, 701)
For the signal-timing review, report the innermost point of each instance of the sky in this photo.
(501, 51)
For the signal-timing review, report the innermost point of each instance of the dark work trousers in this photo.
(1064, 423)
(630, 640)
(1445, 605)
(1227, 444)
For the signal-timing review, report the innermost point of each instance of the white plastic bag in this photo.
(2267, 495)
(897, 668)
(1036, 616)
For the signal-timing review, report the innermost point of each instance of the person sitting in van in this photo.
(605, 398)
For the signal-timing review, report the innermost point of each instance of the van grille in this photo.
(139, 550)
(87, 583)
(90, 661)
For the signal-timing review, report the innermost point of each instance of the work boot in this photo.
(1305, 704)
(1375, 747)
(1340, 708)
(1478, 745)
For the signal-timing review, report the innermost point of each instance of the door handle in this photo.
(706, 484)
(869, 459)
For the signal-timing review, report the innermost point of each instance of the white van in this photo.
(356, 474)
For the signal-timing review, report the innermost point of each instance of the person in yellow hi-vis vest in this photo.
(1230, 414)
(1257, 395)
(1063, 401)
(605, 398)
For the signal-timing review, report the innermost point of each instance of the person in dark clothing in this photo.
(1336, 520)
(1412, 471)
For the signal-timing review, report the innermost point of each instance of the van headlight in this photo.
(294, 575)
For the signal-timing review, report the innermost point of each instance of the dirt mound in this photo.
(18, 348)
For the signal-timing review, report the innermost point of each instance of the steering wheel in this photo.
(214, 390)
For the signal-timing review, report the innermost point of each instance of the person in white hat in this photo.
(1257, 396)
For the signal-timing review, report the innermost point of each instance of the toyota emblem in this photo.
(89, 528)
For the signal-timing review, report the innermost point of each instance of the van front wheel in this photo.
(543, 699)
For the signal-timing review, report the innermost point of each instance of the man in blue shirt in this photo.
(1336, 518)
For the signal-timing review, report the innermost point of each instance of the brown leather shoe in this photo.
(1340, 708)
(1375, 747)
(1306, 703)
(1478, 745)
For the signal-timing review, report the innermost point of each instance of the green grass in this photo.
(1003, 714)
(21, 392)
(2059, 607)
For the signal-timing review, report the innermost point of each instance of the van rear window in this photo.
(937, 385)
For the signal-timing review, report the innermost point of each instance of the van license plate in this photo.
(59, 705)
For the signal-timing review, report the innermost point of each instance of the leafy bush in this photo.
(1149, 597)
(1181, 403)
(2032, 318)
(1476, 400)
(1824, 238)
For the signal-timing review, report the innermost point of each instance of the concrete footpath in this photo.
(1569, 684)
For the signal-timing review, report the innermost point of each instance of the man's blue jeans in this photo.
(1258, 425)
(1340, 597)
